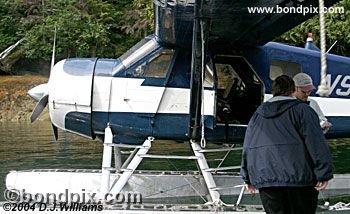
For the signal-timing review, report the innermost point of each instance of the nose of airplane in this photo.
(70, 89)
(38, 92)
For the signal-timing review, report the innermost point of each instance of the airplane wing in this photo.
(231, 21)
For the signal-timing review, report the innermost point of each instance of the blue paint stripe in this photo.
(133, 128)
(340, 128)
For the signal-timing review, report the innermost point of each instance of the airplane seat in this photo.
(223, 111)
(228, 108)
(242, 103)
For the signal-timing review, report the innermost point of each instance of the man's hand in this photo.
(325, 125)
(321, 185)
(250, 188)
(328, 125)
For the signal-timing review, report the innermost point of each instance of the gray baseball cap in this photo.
(303, 81)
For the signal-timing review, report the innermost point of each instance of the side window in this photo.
(279, 67)
(157, 66)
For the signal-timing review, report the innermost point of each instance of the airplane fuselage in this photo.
(146, 92)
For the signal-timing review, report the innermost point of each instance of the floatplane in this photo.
(198, 79)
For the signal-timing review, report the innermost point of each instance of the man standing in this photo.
(303, 88)
(285, 154)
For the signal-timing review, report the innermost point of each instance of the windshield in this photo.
(139, 50)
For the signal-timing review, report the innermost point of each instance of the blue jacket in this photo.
(284, 146)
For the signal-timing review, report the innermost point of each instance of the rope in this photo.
(337, 206)
(203, 142)
(323, 89)
(222, 161)
(189, 183)
(340, 206)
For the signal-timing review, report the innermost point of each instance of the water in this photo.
(32, 146)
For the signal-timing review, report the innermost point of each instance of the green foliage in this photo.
(8, 25)
(85, 28)
(107, 28)
(337, 29)
(138, 18)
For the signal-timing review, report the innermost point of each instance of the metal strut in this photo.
(207, 175)
(198, 61)
(140, 152)
(134, 163)
(107, 162)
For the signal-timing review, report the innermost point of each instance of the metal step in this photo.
(124, 146)
(229, 187)
(109, 168)
(169, 157)
(126, 170)
(222, 168)
(220, 149)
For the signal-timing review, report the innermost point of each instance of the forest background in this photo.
(107, 28)
(98, 28)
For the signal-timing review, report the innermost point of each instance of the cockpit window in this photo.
(157, 66)
(104, 67)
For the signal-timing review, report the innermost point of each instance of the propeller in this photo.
(40, 106)
(40, 93)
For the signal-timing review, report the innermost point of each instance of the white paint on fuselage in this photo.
(128, 95)
(69, 93)
(329, 106)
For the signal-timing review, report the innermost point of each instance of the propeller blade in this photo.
(55, 131)
(40, 106)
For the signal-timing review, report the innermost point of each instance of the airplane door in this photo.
(136, 97)
(240, 90)
(102, 94)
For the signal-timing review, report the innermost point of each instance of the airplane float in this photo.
(199, 78)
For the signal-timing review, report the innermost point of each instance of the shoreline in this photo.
(15, 103)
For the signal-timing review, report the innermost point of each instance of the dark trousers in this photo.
(285, 200)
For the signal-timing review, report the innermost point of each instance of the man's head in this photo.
(283, 86)
(303, 86)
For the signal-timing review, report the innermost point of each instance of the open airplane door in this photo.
(70, 87)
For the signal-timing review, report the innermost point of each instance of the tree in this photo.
(138, 18)
(9, 26)
(85, 28)
(107, 28)
(337, 29)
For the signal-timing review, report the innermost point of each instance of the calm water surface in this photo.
(32, 146)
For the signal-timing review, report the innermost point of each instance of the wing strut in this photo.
(200, 37)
